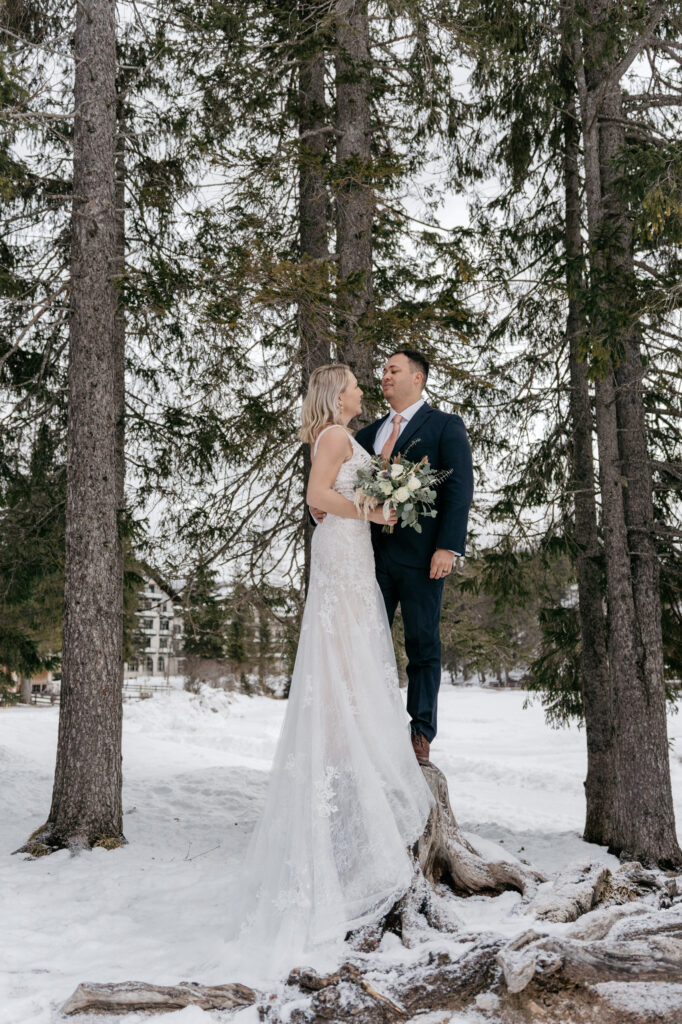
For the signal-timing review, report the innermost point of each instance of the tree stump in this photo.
(445, 855)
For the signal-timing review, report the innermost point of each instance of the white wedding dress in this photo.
(346, 797)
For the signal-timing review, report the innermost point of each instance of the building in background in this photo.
(158, 639)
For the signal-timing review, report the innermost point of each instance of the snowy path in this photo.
(195, 770)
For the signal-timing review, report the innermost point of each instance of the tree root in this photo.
(44, 841)
(445, 855)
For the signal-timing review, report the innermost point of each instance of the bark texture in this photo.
(313, 304)
(26, 690)
(138, 997)
(86, 800)
(597, 691)
(354, 194)
(444, 854)
(643, 822)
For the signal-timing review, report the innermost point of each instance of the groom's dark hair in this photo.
(420, 363)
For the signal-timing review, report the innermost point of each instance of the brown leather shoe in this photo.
(421, 747)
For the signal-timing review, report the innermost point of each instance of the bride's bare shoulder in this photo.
(333, 441)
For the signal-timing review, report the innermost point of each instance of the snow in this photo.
(651, 1000)
(195, 770)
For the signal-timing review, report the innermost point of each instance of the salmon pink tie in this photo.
(390, 442)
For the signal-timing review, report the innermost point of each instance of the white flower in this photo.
(402, 494)
(413, 484)
(397, 471)
(385, 487)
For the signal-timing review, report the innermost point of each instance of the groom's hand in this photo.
(317, 513)
(441, 564)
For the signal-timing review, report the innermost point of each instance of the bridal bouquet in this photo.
(408, 487)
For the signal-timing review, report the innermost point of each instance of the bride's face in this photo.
(350, 398)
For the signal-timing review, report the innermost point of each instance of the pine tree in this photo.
(644, 824)
(204, 620)
(86, 800)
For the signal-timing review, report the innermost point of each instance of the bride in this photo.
(346, 796)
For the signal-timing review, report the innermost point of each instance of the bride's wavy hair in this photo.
(321, 404)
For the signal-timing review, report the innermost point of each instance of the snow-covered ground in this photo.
(195, 769)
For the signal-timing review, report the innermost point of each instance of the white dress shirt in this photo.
(386, 429)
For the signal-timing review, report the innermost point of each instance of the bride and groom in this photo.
(346, 797)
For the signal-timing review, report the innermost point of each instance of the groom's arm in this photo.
(457, 490)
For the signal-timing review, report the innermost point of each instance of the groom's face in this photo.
(400, 384)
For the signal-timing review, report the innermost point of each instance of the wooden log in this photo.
(140, 997)
(442, 982)
(575, 890)
(530, 956)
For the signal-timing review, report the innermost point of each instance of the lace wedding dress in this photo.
(346, 797)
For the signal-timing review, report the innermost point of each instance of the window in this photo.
(152, 588)
(133, 665)
(163, 642)
(150, 665)
(162, 663)
(165, 625)
(147, 623)
(177, 629)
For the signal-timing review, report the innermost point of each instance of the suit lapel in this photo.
(412, 427)
(372, 432)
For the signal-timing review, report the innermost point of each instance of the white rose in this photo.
(397, 471)
(402, 494)
(413, 483)
(385, 487)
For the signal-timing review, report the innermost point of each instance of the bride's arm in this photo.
(332, 451)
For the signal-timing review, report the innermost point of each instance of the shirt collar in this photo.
(408, 413)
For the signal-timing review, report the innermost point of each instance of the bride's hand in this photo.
(377, 516)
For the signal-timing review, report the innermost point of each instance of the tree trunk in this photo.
(313, 304)
(643, 738)
(644, 825)
(86, 800)
(597, 692)
(354, 195)
(119, 322)
(119, 357)
(26, 690)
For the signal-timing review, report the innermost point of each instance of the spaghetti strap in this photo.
(324, 431)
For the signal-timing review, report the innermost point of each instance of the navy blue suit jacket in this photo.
(443, 438)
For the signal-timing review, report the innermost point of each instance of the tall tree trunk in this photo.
(597, 685)
(119, 358)
(644, 824)
(119, 322)
(354, 194)
(313, 304)
(86, 799)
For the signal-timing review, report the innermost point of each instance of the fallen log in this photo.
(140, 997)
(532, 957)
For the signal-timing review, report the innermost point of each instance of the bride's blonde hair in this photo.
(321, 404)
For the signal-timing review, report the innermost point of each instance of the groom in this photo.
(411, 567)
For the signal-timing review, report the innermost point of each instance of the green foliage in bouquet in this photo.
(408, 487)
